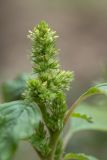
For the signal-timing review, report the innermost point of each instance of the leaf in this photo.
(13, 89)
(18, 120)
(8, 145)
(80, 156)
(99, 114)
(82, 116)
(98, 89)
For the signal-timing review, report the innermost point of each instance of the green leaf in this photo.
(18, 120)
(99, 114)
(82, 116)
(98, 89)
(80, 156)
(8, 145)
(12, 89)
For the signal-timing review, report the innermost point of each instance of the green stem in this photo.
(75, 104)
(54, 136)
(53, 144)
(72, 108)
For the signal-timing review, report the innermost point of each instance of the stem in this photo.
(75, 104)
(54, 136)
(53, 144)
(72, 108)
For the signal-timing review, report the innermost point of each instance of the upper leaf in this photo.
(98, 89)
(18, 120)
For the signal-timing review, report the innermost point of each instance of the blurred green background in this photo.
(82, 27)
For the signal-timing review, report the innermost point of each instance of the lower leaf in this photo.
(18, 121)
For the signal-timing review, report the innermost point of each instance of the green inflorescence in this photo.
(49, 83)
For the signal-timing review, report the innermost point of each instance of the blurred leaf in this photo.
(13, 89)
(99, 115)
(18, 121)
(98, 89)
(76, 156)
(89, 142)
(82, 116)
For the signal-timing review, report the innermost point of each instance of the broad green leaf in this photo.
(80, 156)
(99, 115)
(18, 120)
(12, 89)
(82, 116)
(8, 145)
